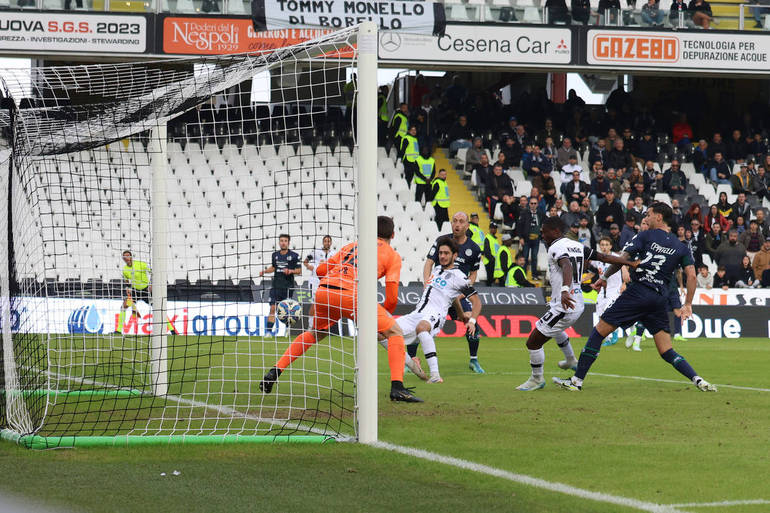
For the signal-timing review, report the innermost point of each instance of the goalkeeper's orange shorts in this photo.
(333, 304)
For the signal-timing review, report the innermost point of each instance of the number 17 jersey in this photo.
(578, 255)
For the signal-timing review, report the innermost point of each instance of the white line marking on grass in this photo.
(677, 381)
(720, 504)
(529, 480)
(224, 410)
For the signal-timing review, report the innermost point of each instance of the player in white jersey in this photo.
(566, 261)
(311, 262)
(446, 286)
(615, 286)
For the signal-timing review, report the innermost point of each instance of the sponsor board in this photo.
(488, 45)
(410, 295)
(738, 297)
(704, 51)
(336, 14)
(220, 35)
(91, 33)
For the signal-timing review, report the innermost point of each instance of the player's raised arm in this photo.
(427, 269)
(623, 259)
(566, 275)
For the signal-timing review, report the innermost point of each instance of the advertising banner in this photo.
(493, 45)
(739, 297)
(81, 32)
(220, 35)
(415, 17)
(700, 50)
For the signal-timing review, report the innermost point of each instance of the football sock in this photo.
(396, 358)
(473, 344)
(536, 360)
(562, 340)
(677, 325)
(589, 354)
(429, 348)
(297, 348)
(679, 363)
(412, 349)
(639, 329)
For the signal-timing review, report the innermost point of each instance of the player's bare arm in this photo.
(615, 266)
(308, 265)
(459, 309)
(427, 269)
(689, 272)
(268, 270)
(470, 322)
(566, 275)
(472, 277)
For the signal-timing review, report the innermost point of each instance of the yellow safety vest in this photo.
(498, 265)
(442, 195)
(494, 247)
(510, 281)
(412, 148)
(383, 107)
(477, 235)
(424, 170)
(403, 124)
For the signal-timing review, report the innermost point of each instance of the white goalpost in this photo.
(199, 169)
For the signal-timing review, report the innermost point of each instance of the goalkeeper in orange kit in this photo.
(337, 296)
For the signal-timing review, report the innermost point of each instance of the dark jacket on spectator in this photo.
(752, 241)
(597, 153)
(570, 193)
(525, 219)
(482, 173)
(700, 159)
(600, 188)
(608, 4)
(647, 150)
(736, 150)
(723, 169)
(713, 242)
(541, 162)
(730, 256)
(510, 213)
(619, 160)
(543, 183)
(615, 209)
(717, 148)
(581, 10)
(676, 8)
(499, 185)
(721, 281)
(744, 211)
(669, 175)
(459, 132)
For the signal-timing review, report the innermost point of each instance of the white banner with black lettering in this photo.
(702, 50)
(416, 17)
(485, 45)
(91, 33)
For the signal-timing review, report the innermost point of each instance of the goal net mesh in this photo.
(249, 147)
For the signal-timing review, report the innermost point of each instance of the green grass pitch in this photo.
(657, 441)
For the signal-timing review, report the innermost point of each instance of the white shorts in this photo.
(555, 321)
(603, 303)
(408, 324)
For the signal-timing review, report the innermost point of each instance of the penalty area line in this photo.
(529, 480)
(676, 381)
(720, 504)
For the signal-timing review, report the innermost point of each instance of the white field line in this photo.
(529, 480)
(720, 504)
(224, 410)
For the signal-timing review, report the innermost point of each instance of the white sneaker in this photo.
(531, 384)
(435, 378)
(568, 364)
(637, 343)
(703, 385)
(629, 341)
(413, 364)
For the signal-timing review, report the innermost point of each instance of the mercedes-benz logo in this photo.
(390, 41)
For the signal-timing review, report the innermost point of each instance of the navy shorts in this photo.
(674, 301)
(278, 295)
(141, 294)
(639, 303)
(467, 307)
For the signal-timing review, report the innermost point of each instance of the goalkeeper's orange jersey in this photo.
(341, 270)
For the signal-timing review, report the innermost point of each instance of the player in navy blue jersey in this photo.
(646, 298)
(468, 261)
(285, 264)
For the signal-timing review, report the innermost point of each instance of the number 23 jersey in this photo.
(578, 255)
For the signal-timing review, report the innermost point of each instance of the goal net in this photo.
(143, 201)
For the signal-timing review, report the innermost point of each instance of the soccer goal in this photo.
(141, 202)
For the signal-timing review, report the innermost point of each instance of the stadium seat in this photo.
(663, 197)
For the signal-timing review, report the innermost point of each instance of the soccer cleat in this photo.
(568, 364)
(637, 345)
(531, 384)
(475, 366)
(703, 385)
(611, 340)
(435, 378)
(403, 395)
(266, 385)
(415, 367)
(630, 340)
(567, 384)
(679, 337)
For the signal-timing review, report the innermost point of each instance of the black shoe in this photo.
(172, 331)
(404, 395)
(266, 385)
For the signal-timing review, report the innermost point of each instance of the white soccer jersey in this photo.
(578, 255)
(317, 256)
(613, 284)
(444, 286)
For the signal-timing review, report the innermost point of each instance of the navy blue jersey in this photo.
(289, 260)
(468, 256)
(660, 254)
